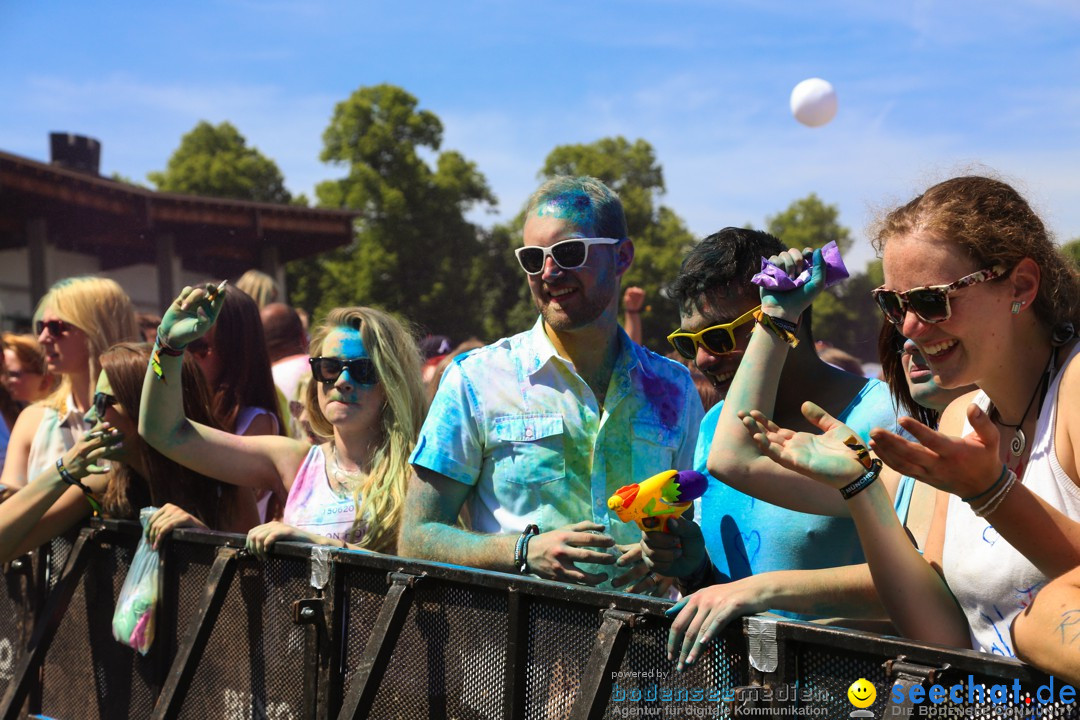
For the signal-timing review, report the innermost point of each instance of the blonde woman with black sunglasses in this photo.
(366, 400)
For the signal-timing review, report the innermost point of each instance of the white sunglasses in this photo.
(567, 254)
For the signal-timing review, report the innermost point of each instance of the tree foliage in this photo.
(1072, 251)
(660, 236)
(215, 161)
(809, 222)
(415, 253)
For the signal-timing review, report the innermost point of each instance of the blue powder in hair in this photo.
(572, 206)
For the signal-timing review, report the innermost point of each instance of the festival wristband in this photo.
(783, 329)
(70, 479)
(162, 348)
(863, 481)
(521, 550)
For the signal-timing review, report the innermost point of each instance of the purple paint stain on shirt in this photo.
(663, 396)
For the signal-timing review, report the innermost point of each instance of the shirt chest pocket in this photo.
(654, 448)
(528, 449)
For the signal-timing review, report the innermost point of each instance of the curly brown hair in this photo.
(995, 226)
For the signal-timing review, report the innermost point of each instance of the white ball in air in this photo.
(813, 102)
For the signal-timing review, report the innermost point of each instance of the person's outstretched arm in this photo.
(428, 532)
(733, 457)
(633, 301)
(48, 506)
(265, 461)
(912, 590)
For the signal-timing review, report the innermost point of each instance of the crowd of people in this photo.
(940, 502)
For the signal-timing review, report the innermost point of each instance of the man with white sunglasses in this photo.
(535, 432)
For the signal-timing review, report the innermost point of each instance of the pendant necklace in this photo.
(343, 478)
(1019, 440)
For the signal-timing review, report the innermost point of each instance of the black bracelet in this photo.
(70, 479)
(863, 481)
(521, 550)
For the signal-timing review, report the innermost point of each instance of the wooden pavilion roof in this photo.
(118, 222)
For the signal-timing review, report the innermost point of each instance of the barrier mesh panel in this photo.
(449, 660)
(561, 636)
(188, 566)
(88, 674)
(363, 594)
(825, 671)
(647, 679)
(253, 664)
(826, 676)
(59, 550)
(15, 618)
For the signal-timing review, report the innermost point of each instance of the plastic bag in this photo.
(133, 621)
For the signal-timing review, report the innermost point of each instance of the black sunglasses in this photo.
(567, 254)
(56, 328)
(102, 402)
(327, 370)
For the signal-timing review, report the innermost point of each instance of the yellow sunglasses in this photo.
(718, 339)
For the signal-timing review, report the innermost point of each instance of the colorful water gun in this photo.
(665, 495)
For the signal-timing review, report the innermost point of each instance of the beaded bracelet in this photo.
(70, 479)
(991, 504)
(863, 481)
(992, 488)
(521, 550)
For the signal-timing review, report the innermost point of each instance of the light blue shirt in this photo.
(746, 536)
(517, 422)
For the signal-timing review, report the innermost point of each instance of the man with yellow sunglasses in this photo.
(757, 520)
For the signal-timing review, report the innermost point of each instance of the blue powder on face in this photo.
(574, 207)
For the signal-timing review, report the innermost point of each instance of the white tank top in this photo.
(314, 506)
(55, 435)
(990, 579)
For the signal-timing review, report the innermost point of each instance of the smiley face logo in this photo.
(862, 693)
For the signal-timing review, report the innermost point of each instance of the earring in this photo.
(1016, 307)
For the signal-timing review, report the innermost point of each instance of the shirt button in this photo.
(528, 432)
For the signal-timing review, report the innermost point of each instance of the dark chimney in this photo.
(75, 152)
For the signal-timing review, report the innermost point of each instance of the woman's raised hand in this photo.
(192, 313)
(829, 458)
(963, 466)
(103, 442)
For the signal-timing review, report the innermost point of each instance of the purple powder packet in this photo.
(775, 278)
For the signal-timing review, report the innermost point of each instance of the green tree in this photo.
(660, 236)
(1072, 250)
(415, 252)
(809, 222)
(215, 161)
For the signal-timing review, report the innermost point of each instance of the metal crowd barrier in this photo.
(317, 634)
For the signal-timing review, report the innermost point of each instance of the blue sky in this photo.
(927, 90)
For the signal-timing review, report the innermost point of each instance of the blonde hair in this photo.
(262, 288)
(102, 310)
(392, 347)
